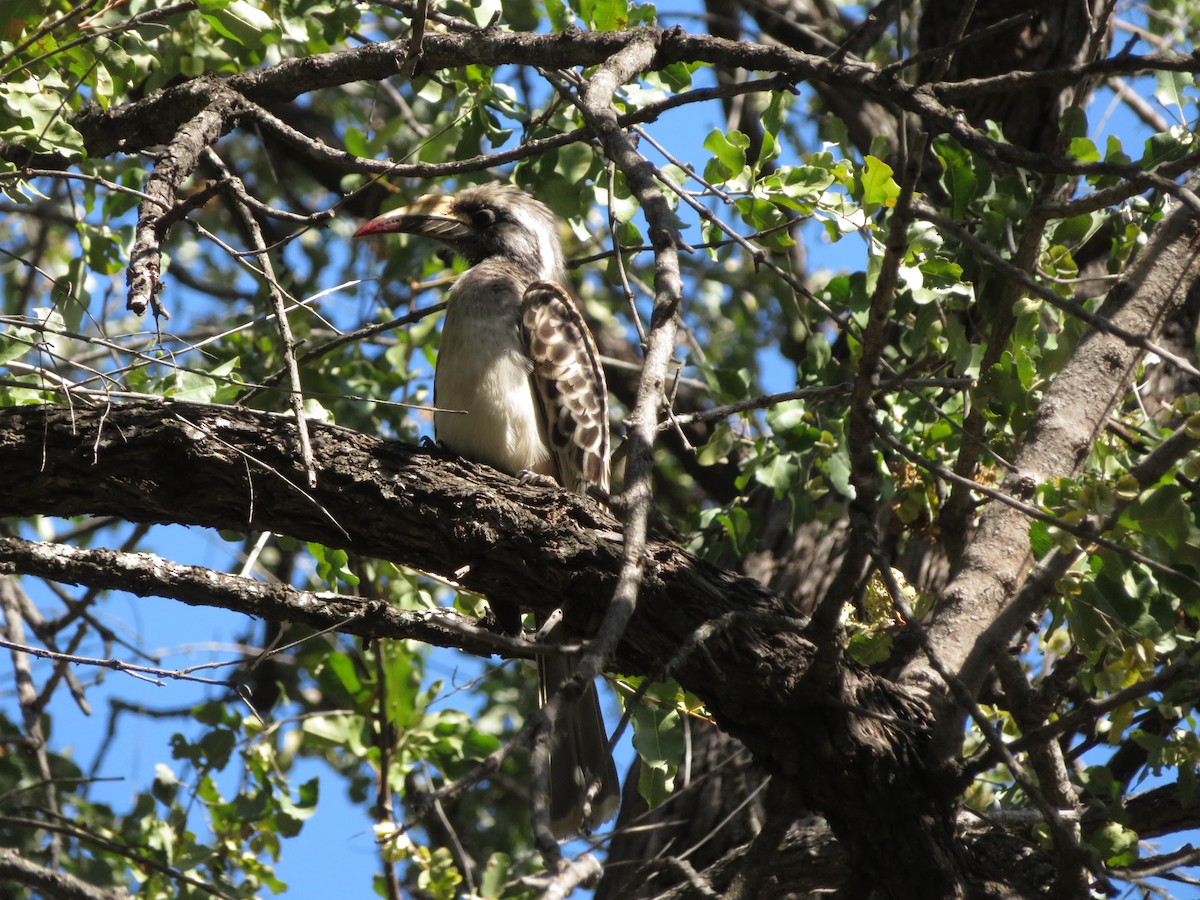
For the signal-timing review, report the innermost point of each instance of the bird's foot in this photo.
(428, 443)
(537, 479)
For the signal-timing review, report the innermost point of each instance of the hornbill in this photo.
(519, 387)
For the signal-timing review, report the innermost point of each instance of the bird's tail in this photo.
(584, 790)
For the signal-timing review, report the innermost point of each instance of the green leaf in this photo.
(1074, 122)
(720, 442)
(1114, 153)
(799, 184)
(343, 667)
(1116, 844)
(772, 121)
(217, 747)
(1166, 147)
(676, 77)
(879, 187)
(1075, 231)
(943, 271)
(15, 342)
(658, 740)
(1040, 540)
(165, 787)
(959, 177)
(214, 713)
(1171, 87)
(292, 814)
(780, 473)
(356, 141)
(729, 151)
(33, 114)
(738, 528)
(341, 731)
(1084, 150)
(332, 565)
(483, 12)
(242, 22)
(614, 15)
(521, 15)
(764, 216)
(496, 873)
(1162, 513)
(870, 648)
(838, 466)
(194, 387)
(561, 16)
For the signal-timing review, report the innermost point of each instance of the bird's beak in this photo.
(431, 216)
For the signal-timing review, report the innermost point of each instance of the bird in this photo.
(518, 386)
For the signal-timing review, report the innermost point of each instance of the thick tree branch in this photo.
(237, 470)
(218, 113)
(156, 119)
(1070, 420)
(51, 882)
(1162, 810)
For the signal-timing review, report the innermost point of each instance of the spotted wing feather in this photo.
(569, 385)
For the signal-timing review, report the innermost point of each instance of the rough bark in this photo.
(715, 809)
(15, 870)
(975, 621)
(848, 741)
(799, 564)
(1054, 35)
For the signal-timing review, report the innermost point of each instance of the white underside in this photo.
(484, 372)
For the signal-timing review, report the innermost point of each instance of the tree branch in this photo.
(52, 882)
(147, 575)
(1070, 420)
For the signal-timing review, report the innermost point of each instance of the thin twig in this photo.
(287, 342)
(14, 629)
(819, 392)
(152, 674)
(1014, 272)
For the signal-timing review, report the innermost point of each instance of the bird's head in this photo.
(483, 222)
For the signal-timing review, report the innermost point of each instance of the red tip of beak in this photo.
(372, 227)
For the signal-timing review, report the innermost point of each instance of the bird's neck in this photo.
(491, 291)
(524, 271)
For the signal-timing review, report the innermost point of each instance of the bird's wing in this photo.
(569, 385)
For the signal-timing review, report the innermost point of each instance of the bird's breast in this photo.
(486, 408)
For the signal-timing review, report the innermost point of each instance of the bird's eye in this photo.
(484, 217)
